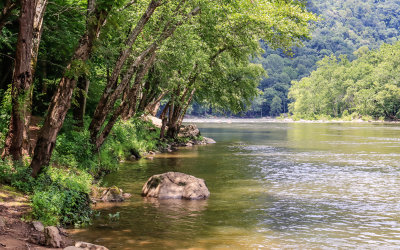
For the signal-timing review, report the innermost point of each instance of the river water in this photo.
(273, 186)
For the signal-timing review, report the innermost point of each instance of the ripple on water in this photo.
(356, 194)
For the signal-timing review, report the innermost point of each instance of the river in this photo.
(273, 186)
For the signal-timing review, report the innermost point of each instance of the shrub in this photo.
(62, 197)
(74, 149)
(131, 137)
(59, 196)
(5, 113)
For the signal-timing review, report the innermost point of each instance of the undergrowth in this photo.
(5, 113)
(60, 195)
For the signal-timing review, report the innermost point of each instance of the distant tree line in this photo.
(367, 87)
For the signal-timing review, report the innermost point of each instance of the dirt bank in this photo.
(15, 232)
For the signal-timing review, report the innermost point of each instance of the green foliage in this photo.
(114, 217)
(132, 137)
(344, 27)
(74, 149)
(368, 87)
(59, 196)
(62, 197)
(209, 53)
(5, 113)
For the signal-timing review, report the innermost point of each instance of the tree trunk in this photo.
(180, 107)
(131, 102)
(164, 119)
(108, 99)
(61, 100)
(183, 113)
(154, 105)
(128, 106)
(112, 92)
(22, 82)
(40, 8)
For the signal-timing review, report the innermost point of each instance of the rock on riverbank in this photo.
(16, 233)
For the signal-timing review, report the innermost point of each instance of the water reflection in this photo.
(177, 208)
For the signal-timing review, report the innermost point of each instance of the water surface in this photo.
(273, 185)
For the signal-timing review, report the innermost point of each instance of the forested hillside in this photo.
(345, 26)
(367, 87)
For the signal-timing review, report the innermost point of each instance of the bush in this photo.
(131, 137)
(17, 175)
(61, 206)
(74, 149)
(5, 113)
(59, 196)
(62, 197)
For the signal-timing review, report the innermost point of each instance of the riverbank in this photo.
(16, 231)
(63, 193)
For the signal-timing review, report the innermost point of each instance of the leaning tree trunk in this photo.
(22, 81)
(61, 100)
(128, 106)
(40, 8)
(112, 92)
(178, 110)
(153, 107)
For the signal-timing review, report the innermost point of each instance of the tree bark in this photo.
(113, 90)
(111, 84)
(22, 82)
(83, 84)
(40, 8)
(164, 119)
(132, 98)
(128, 106)
(61, 100)
(154, 105)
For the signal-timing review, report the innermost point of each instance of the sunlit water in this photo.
(273, 186)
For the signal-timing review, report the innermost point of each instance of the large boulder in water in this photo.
(175, 185)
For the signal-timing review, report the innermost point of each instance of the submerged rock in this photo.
(85, 245)
(111, 194)
(209, 140)
(175, 185)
